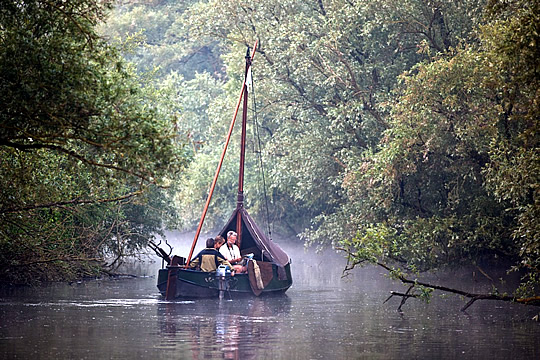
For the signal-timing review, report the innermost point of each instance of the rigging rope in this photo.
(212, 187)
(257, 134)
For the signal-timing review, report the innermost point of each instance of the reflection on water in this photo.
(322, 316)
(222, 329)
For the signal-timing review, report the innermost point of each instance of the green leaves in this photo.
(457, 170)
(80, 138)
(403, 131)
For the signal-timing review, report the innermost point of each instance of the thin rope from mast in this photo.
(257, 134)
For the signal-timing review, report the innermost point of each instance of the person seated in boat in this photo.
(209, 258)
(218, 242)
(231, 252)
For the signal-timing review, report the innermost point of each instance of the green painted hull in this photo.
(199, 284)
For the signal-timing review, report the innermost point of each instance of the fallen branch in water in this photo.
(404, 296)
(414, 284)
(119, 275)
(472, 296)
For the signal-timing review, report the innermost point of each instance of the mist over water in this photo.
(322, 316)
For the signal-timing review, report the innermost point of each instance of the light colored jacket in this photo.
(229, 253)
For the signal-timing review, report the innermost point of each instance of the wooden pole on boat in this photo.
(240, 198)
(172, 276)
(205, 210)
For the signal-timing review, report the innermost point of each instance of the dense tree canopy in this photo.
(404, 132)
(85, 148)
(163, 45)
(327, 70)
(464, 127)
(415, 123)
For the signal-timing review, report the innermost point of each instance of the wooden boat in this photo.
(269, 269)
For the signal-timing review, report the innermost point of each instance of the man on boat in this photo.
(209, 259)
(231, 252)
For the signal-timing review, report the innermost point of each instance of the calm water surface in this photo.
(321, 317)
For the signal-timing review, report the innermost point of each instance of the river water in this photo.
(322, 316)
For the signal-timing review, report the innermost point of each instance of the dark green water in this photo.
(321, 317)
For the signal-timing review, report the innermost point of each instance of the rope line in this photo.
(257, 134)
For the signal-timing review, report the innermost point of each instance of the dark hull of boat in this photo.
(192, 284)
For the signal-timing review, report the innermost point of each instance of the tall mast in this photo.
(212, 187)
(240, 198)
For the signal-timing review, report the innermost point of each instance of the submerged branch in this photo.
(472, 296)
(404, 296)
(534, 300)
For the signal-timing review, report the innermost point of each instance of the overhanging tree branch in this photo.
(71, 153)
(70, 202)
(68, 258)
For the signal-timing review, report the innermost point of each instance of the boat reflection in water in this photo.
(229, 329)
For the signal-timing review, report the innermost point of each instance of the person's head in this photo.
(231, 237)
(218, 241)
(210, 243)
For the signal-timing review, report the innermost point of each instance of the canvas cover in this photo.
(254, 241)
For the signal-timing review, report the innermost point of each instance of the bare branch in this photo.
(71, 153)
(70, 202)
(68, 258)
(534, 300)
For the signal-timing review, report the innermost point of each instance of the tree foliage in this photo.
(158, 39)
(402, 131)
(327, 70)
(85, 148)
(415, 123)
(456, 178)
